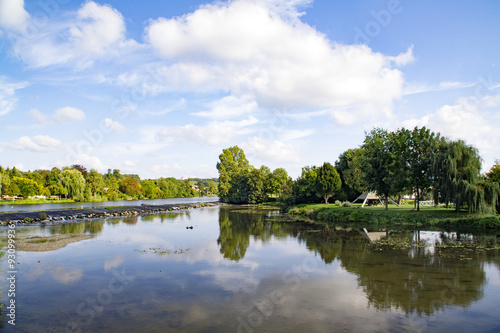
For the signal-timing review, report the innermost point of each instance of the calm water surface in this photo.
(75, 205)
(236, 271)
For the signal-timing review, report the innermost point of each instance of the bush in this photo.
(42, 216)
(338, 203)
(346, 204)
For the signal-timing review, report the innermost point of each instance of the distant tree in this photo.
(494, 173)
(130, 186)
(417, 149)
(27, 187)
(80, 168)
(278, 180)
(255, 183)
(95, 182)
(212, 187)
(73, 182)
(328, 181)
(56, 189)
(201, 188)
(457, 178)
(233, 167)
(116, 174)
(350, 167)
(305, 189)
(381, 164)
(151, 191)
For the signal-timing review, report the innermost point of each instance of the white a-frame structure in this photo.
(369, 195)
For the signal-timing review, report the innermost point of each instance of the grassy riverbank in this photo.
(39, 201)
(396, 216)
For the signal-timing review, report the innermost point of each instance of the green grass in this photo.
(403, 215)
(37, 202)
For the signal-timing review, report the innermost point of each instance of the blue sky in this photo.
(159, 88)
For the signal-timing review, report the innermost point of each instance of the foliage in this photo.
(381, 167)
(130, 186)
(305, 186)
(350, 167)
(73, 182)
(27, 187)
(494, 173)
(328, 181)
(95, 182)
(233, 167)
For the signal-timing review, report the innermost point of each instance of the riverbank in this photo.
(65, 215)
(395, 216)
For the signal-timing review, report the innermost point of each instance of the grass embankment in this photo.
(39, 201)
(404, 215)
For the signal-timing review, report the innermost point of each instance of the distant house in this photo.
(195, 187)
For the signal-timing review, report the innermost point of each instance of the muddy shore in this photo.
(61, 216)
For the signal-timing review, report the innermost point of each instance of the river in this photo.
(222, 269)
(80, 205)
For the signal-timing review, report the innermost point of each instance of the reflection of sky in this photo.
(199, 288)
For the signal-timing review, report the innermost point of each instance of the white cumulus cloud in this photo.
(272, 150)
(13, 16)
(81, 37)
(464, 120)
(68, 113)
(38, 143)
(254, 48)
(114, 125)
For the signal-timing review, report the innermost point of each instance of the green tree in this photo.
(417, 149)
(130, 186)
(350, 168)
(494, 173)
(95, 182)
(328, 181)
(305, 187)
(278, 181)
(212, 187)
(233, 167)
(457, 178)
(201, 189)
(150, 189)
(81, 168)
(255, 184)
(73, 182)
(381, 164)
(27, 187)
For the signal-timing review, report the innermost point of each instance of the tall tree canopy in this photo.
(381, 163)
(73, 182)
(233, 167)
(328, 181)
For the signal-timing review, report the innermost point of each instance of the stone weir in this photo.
(54, 216)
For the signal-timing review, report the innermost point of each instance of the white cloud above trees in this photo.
(65, 114)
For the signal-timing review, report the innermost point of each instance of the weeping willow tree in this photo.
(457, 179)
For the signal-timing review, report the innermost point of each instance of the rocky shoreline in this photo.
(67, 215)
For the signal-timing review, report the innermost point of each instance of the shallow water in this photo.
(79, 205)
(234, 271)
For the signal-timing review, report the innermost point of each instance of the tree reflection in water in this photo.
(411, 280)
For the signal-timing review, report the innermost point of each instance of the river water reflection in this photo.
(237, 271)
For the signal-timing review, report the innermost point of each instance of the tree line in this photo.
(418, 163)
(77, 183)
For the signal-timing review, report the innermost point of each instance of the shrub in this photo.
(346, 204)
(42, 216)
(338, 203)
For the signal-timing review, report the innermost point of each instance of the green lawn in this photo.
(402, 215)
